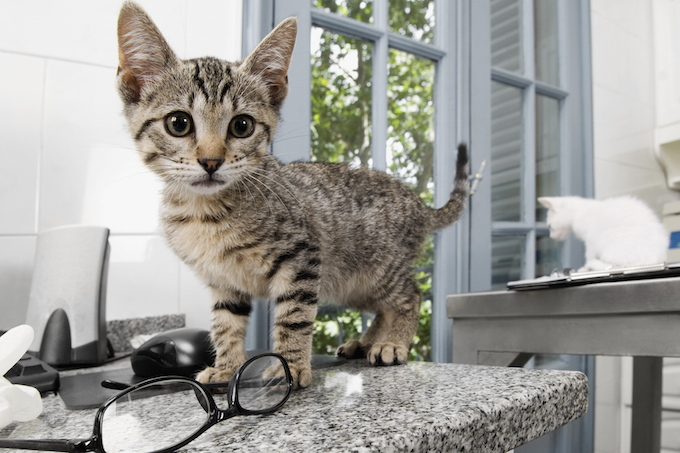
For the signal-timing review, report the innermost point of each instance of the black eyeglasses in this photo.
(161, 415)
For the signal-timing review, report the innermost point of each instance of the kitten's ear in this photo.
(546, 201)
(270, 60)
(143, 53)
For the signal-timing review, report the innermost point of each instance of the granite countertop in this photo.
(355, 407)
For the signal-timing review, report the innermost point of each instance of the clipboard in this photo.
(574, 278)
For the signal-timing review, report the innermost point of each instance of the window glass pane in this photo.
(506, 153)
(413, 18)
(548, 256)
(410, 148)
(421, 348)
(341, 98)
(356, 9)
(340, 132)
(547, 151)
(410, 114)
(507, 260)
(506, 35)
(546, 42)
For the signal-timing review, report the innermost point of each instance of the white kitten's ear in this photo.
(143, 53)
(270, 60)
(548, 202)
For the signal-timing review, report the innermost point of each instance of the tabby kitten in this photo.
(251, 226)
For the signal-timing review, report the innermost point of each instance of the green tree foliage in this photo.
(341, 130)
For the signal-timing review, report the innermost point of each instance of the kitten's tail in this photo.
(453, 208)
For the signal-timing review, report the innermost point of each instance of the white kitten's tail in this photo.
(453, 208)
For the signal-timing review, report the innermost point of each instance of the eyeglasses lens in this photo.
(263, 385)
(154, 417)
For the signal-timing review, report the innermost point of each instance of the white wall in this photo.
(624, 102)
(66, 158)
(635, 93)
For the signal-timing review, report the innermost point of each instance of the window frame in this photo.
(462, 98)
(576, 137)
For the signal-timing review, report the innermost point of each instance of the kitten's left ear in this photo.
(143, 53)
(270, 60)
(546, 201)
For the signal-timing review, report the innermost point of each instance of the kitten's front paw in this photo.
(387, 354)
(353, 349)
(302, 375)
(212, 374)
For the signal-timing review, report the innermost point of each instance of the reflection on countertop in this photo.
(356, 407)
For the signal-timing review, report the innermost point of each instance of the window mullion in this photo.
(449, 271)
(410, 45)
(346, 26)
(528, 39)
(529, 110)
(379, 88)
(563, 53)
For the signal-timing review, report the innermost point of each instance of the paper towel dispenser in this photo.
(67, 303)
(668, 154)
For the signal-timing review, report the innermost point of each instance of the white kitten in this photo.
(617, 232)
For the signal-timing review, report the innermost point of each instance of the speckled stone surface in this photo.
(119, 332)
(358, 408)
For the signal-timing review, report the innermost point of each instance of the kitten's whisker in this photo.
(277, 182)
(124, 178)
(252, 197)
(274, 192)
(303, 130)
(248, 177)
(240, 198)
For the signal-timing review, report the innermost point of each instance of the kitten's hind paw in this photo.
(353, 349)
(387, 354)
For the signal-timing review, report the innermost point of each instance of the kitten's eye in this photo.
(242, 126)
(178, 124)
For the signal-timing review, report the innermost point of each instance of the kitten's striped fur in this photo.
(251, 226)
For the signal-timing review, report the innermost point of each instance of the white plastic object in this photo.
(17, 402)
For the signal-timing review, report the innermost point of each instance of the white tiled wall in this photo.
(65, 157)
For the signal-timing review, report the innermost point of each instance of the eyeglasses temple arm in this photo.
(114, 385)
(67, 445)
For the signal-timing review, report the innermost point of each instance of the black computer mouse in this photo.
(184, 352)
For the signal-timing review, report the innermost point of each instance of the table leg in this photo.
(646, 426)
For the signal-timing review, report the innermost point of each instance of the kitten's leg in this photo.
(377, 331)
(229, 321)
(594, 264)
(393, 350)
(295, 313)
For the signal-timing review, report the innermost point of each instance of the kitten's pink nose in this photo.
(210, 165)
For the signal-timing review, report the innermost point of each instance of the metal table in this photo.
(638, 318)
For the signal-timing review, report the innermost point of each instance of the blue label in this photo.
(675, 240)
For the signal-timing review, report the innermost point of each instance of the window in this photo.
(539, 143)
(383, 95)
(510, 77)
(527, 99)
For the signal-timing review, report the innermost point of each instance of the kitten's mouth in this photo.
(207, 183)
(210, 183)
